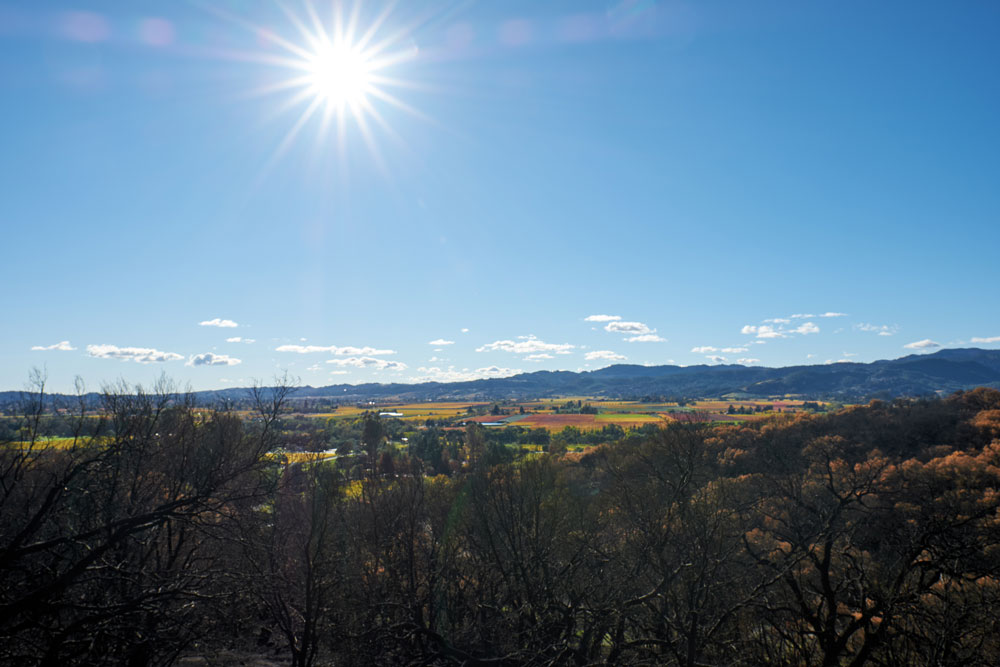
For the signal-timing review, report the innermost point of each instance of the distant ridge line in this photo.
(944, 371)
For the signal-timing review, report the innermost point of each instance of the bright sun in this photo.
(337, 69)
(340, 74)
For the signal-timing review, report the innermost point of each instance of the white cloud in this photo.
(340, 372)
(210, 359)
(769, 331)
(880, 329)
(716, 358)
(975, 339)
(526, 345)
(217, 322)
(602, 318)
(451, 374)
(333, 349)
(646, 338)
(801, 316)
(833, 315)
(369, 362)
(141, 355)
(541, 356)
(747, 362)
(806, 328)
(925, 344)
(607, 355)
(235, 339)
(762, 331)
(628, 328)
(441, 341)
(705, 349)
(465, 330)
(64, 346)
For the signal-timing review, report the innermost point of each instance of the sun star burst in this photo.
(338, 68)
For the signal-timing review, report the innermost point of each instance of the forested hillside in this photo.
(164, 531)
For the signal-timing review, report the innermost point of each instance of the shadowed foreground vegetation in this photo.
(162, 532)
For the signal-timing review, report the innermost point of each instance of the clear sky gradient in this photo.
(770, 183)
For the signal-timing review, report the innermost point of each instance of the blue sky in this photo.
(769, 183)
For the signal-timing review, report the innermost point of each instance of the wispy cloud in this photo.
(240, 339)
(975, 339)
(809, 316)
(925, 344)
(646, 338)
(369, 362)
(628, 327)
(526, 345)
(210, 359)
(747, 362)
(333, 349)
(706, 349)
(451, 374)
(441, 341)
(880, 329)
(141, 355)
(602, 318)
(62, 346)
(716, 358)
(540, 356)
(218, 322)
(607, 355)
(762, 331)
(777, 328)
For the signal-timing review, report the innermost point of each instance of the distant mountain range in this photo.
(944, 371)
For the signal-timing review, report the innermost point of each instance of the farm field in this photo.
(410, 411)
(42, 443)
(555, 414)
(557, 422)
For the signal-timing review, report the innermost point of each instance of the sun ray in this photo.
(374, 27)
(289, 138)
(352, 23)
(300, 25)
(369, 140)
(319, 30)
(399, 104)
(278, 86)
